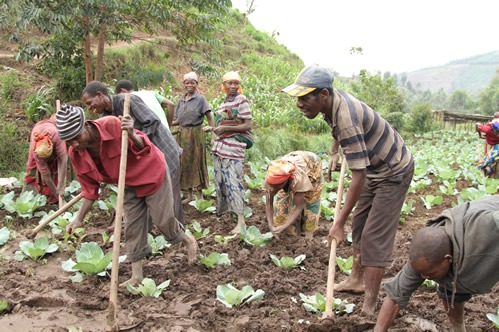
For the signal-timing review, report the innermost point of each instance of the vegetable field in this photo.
(248, 282)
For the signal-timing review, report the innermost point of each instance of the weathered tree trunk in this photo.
(100, 52)
(87, 52)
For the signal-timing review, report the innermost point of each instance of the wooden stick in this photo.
(31, 234)
(328, 312)
(112, 324)
(57, 109)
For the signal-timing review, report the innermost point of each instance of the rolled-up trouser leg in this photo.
(161, 210)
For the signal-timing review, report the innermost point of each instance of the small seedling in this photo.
(148, 288)
(4, 235)
(253, 237)
(494, 318)
(215, 258)
(158, 244)
(203, 205)
(430, 283)
(224, 240)
(198, 231)
(288, 262)
(345, 265)
(231, 296)
(317, 303)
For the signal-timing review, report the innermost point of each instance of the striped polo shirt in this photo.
(230, 147)
(367, 140)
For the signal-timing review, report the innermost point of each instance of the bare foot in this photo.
(187, 200)
(349, 286)
(237, 229)
(132, 281)
(192, 248)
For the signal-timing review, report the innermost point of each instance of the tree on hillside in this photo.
(459, 101)
(488, 101)
(69, 25)
(381, 95)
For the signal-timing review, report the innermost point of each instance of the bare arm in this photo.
(333, 161)
(127, 124)
(337, 230)
(62, 169)
(211, 123)
(170, 110)
(387, 314)
(269, 208)
(47, 178)
(299, 201)
(245, 126)
(82, 212)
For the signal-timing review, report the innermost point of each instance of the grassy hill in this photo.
(472, 74)
(152, 62)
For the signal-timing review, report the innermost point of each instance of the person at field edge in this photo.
(458, 249)
(489, 131)
(189, 116)
(97, 98)
(152, 99)
(233, 130)
(95, 153)
(382, 168)
(47, 164)
(297, 180)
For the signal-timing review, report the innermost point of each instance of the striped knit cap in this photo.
(69, 122)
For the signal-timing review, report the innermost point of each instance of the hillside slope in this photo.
(472, 74)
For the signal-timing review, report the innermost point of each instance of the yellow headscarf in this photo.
(231, 76)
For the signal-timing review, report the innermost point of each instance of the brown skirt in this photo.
(194, 170)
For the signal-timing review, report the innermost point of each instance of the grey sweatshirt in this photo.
(473, 228)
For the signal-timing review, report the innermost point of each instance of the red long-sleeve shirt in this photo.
(146, 168)
(490, 137)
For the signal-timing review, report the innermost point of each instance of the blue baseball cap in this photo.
(309, 79)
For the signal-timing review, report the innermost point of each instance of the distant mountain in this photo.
(472, 74)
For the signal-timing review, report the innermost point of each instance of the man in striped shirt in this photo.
(382, 169)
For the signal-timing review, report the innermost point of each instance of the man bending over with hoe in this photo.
(95, 152)
(459, 251)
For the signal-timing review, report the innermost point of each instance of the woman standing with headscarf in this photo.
(297, 181)
(233, 130)
(189, 116)
(47, 162)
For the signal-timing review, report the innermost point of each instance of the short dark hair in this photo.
(432, 243)
(123, 84)
(318, 90)
(95, 86)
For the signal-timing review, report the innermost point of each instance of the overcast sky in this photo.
(395, 35)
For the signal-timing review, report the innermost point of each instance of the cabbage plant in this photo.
(288, 262)
(90, 260)
(317, 303)
(231, 296)
(253, 237)
(214, 258)
(148, 288)
(4, 235)
(25, 205)
(36, 249)
(494, 318)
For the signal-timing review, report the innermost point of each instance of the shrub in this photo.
(13, 150)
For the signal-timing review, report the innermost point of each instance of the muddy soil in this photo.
(42, 298)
